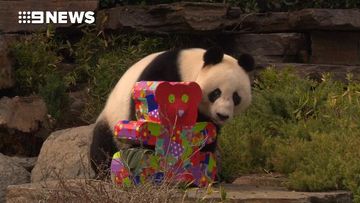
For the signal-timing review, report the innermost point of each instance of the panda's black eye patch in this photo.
(214, 95)
(236, 98)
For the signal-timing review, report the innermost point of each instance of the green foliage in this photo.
(305, 129)
(54, 94)
(102, 59)
(35, 58)
(36, 70)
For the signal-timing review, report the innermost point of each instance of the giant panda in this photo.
(223, 79)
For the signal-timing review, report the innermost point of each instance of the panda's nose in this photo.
(222, 117)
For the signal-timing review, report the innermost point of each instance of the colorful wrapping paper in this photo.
(166, 114)
(146, 107)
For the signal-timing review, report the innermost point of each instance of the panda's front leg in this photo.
(102, 149)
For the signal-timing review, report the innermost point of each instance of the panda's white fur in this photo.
(215, 70)
(118, 103)
(227, 75)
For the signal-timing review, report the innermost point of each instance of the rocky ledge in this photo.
(242, 190)
(202, 17)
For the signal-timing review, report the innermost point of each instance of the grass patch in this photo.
(299, 127)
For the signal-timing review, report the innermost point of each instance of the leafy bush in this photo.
(54, 94)
(36, 70)
(35, 58)
(305, 129)
(102, 59)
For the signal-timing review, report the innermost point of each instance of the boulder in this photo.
(24, 114)
(325, 19)
(11, 174)
(7, 79)
(65, 154)
(165, 18)
(274, 47)
(302, 20)
(26, 162)
(176, 17)
(188, 17)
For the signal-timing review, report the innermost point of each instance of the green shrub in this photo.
(305, 129)
(54, 94)
(102, 59)
(35, 58)
(36, 69)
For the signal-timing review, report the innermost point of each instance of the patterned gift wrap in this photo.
(177, 156)
(143, 95)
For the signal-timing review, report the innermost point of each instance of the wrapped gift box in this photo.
(166, 114)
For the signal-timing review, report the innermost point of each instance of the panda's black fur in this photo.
(163, 67)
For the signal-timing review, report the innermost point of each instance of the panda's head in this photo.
(225, 84)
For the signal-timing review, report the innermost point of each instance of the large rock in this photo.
(11, 174)
(205, 17)
(24, 114)
(26, 162)
(325, 19)
(276, 47)
(7, 79)
(177, 17)
(65, 154)
(9, 12)
(23, 125)
(335, 48)
(302, 20)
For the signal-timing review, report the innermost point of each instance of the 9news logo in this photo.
(56, 17)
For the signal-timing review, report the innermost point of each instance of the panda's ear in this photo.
(213, 56)
(247, 62)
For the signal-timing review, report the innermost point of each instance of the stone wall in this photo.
(307, 38)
